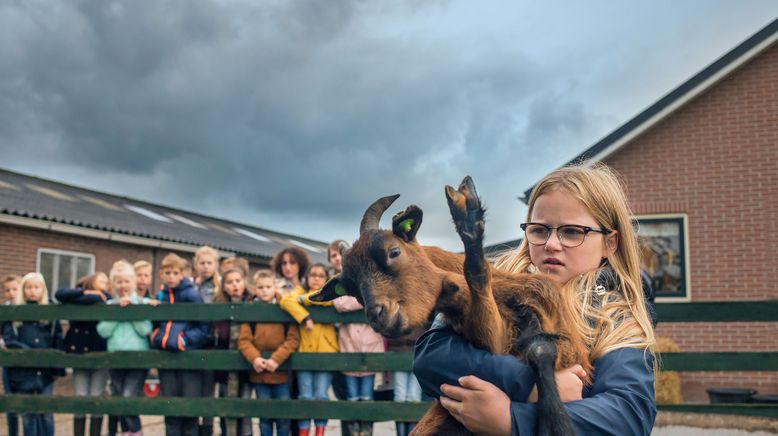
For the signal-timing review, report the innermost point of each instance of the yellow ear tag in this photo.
(405, 225)
(340, 290)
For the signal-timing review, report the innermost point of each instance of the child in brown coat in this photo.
(280, 339)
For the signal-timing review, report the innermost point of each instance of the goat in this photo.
(402, 284)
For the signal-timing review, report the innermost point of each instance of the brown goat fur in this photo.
(402, 284)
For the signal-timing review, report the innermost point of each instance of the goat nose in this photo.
(374, 312)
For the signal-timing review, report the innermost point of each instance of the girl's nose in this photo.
(553, 243)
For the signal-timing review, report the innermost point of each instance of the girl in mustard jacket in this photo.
(314, 338)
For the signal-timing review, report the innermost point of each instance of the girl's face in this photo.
(317, 277)
(336, 261)
(234, 286)
(33, 290)
(123, 284)
(557, 208)
(206, 266)
(289, 267)
(101, 283)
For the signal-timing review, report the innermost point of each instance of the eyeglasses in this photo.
(570, 235)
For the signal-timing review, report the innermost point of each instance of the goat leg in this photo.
(539, 349)
(484, 325)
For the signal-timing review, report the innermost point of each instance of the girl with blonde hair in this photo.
(33, 335)
(580, 234)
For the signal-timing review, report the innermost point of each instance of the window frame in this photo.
(55, 273)
(682, 220)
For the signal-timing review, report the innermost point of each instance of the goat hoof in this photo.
(466, 210)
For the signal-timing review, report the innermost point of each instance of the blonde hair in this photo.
(173, 260)
(208, 250)
(142, 264)
(29, 277)
(264, 274)
(122, 268)
(619, 319)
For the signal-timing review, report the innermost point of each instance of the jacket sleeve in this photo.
(620, 401)
(196, 334)
(442, 356)
(289, 346)
(142, 328)
(290, 304)
(10, 337)
(105, 328)
(246, 343)
(346, 303)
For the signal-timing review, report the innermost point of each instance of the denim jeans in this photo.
(313, 385)
(273, 392)
(360, 388)
(39, 424)
(128, 383)
(406, 387)
(11, 417)
(89, 383)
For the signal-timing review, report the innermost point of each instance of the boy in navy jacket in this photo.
(179, 336)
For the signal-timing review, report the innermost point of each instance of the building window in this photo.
(664, 254)
(62, 269)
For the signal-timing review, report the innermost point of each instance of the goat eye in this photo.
(394, 252)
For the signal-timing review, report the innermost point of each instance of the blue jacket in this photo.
(32, 335)
(180, 335)
(82, 336)
(620, 400)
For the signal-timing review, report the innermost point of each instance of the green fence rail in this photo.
(756, 311)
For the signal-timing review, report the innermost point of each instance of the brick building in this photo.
(64, 232)
(701, 172)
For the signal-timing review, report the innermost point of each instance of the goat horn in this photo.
(373, 213)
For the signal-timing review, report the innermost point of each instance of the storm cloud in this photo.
(295, 115)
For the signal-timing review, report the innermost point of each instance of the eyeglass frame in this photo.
(586, 230)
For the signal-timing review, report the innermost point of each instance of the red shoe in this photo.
(320, 430)
(302, 432)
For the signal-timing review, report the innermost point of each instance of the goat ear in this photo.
(405, 224)
(330, 291)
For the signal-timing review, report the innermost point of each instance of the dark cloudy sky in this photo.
(295, 115)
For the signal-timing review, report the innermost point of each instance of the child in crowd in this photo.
(207, 281)
(290, 264)
(281, 340)
(10, 287)
(234, 262)
(226, 333)
(35, 335)
(179, 336)
(126, 336)
(82, 338)
(143, 282)
(358, 338)
(314, 338)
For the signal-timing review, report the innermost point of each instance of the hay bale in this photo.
(667, 384)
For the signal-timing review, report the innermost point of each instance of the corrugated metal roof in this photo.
(32, 197)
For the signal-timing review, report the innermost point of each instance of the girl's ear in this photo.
(611, 243)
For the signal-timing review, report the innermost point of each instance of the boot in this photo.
(302, 432)
(365, 428)
(95, 425)
(79, 426)
(320, 430)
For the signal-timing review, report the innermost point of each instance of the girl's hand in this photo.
(309, 324)
(569, 382)
(271, 365)
(479, 405)
(124, 301)
(154, 302)
(258, 364)
(98, 293)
